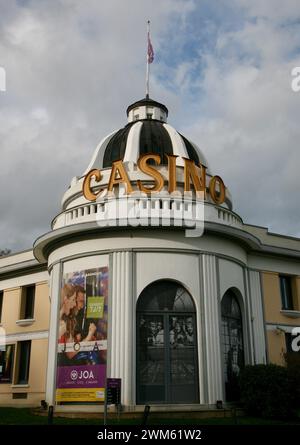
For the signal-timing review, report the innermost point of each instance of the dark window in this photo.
(286, 292)
(6, 363)
(232, 344)
(1, 304)
(19, 395)
(167, 368)
(24, 348)
(27, 304)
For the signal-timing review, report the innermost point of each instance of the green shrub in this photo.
(267, 391)
(292, 360)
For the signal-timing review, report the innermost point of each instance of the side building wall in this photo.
(279, 322)
(24, 354)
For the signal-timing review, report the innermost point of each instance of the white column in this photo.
(122, 328)
(211, 320)
(257, 317)
(53, 328)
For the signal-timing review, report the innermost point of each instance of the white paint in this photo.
(37, 335)
(150, 239)
(153, 266)
(55, 285)
(178, 145)
(122, 337)
(85, 263)
(272, 264)
(24, 280)
(15, 258)
(132, 151)
(212, 330)
(257, 318)
(231, 275)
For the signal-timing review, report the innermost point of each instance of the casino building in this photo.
(167, 291)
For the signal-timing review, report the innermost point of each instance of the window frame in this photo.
(287, 301)
(27, 309)
(20, 362)
(1, 304)
(11, 377)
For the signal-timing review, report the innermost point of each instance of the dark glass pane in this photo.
(24, 361)
(165, 295)
(288, 342)
(151, 358)
(230, 306)
(181, 339)
(6, 363)
(29, 301)
(232, 344)
(167, 370)
(286, 293)
(1, 304)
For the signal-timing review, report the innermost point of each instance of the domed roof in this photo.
(147, 131)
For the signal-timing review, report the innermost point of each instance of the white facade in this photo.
(226, 257)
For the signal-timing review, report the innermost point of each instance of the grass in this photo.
(24, 416)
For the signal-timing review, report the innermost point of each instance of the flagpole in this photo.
(148, 65)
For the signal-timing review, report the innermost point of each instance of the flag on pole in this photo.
(150, 50)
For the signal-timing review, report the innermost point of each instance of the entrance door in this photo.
(167, 369)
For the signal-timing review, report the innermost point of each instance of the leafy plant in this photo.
(267, 391)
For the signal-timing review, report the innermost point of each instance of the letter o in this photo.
(217, 197)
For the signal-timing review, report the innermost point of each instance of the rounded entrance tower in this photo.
(137, 278)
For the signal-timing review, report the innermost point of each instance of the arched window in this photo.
(167, 369)
(232, 344)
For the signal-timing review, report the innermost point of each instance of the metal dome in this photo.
(146, 132)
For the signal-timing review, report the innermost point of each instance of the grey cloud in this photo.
(73, 67)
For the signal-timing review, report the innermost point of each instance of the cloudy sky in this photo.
(222, 67)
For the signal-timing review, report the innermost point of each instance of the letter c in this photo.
(86, 187)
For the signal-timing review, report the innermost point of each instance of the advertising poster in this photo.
(82, 337)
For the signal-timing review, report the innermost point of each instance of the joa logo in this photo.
(82, 375)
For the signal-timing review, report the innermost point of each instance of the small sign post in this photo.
(112, 395)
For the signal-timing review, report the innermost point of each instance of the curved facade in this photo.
(148, 263)
(171, 292)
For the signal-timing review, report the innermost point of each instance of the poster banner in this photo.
(82, 337)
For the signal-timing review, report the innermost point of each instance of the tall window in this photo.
(167, 370)
(6, 363)
(1, 304)
(23, 362)
(27, 302)
(232, 344)
(286, 292)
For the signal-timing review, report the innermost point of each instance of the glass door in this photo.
(183, 379)
(167, 359)
(151, 359)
